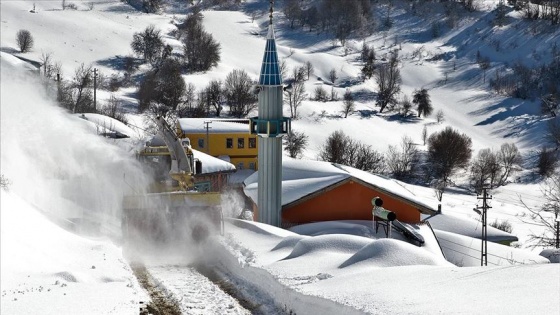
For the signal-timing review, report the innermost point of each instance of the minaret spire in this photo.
(270, 126)
(271, 11)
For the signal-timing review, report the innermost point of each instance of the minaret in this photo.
(270, 126)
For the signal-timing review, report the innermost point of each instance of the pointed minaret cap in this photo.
(270, 69)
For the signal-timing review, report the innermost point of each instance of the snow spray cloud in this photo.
(55, 162)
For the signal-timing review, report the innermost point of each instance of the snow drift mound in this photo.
(337, 243)
(332, 227)
(289, 241)
(261, 228)
(391, 253)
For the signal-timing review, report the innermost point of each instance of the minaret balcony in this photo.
(270, 128)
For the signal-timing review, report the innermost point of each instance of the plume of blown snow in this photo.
(54, 161)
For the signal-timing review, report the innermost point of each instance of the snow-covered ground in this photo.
(63, 175)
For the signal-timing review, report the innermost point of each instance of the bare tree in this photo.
(113, 109)
(293, 11)
(424, 134)
(284, 68)
(24, 40)
(308, 69)
(405, 106)
(335, 148)
(348, 103)
(296, 95)
(294, 143)
(546, 162)
(81, 86)
(554, 131)
(448, 150)
(404, 162)
(388, 81)
(214, 95)
(298, 73)
(189, 101)
(46, 62)
(320, 94)
(332, 77)
(550, 104)
(152, 6)
(484, 169)
(509, 159)
(340, 148)
(238, 93)
(548, 215)
(367, 159)
(440, 117)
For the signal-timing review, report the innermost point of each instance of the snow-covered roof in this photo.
(197, 125)
(301, 178)
(468, 227)
(211, 164)
(238, 177)
(107, 125)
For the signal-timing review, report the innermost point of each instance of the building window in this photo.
(229, 143)
(252, 143)
(240, 143)
(252, 166)
(240, 165)
(201, 143)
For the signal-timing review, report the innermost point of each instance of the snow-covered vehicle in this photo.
(175, 212)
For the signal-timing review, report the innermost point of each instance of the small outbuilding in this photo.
(315, 191)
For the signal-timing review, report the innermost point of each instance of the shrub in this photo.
(340, 148)
(164, 86)
(148, 44)
(202, 51)
(546, 162)
(4, 182)
(421, 99)
(502, 225)
(403, 163)
(295, 142)
(321, 94)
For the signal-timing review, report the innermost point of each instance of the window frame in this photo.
(229, 143)
(254, 141)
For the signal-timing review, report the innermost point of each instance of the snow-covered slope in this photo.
(55, 271)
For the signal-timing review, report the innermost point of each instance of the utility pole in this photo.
(207, 127)
(557, 231)
(95, 89)
(59, 98)
(484, 241)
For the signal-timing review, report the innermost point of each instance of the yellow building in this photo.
(228, 139)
